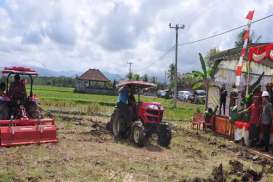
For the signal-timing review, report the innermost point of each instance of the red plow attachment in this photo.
(27, 131)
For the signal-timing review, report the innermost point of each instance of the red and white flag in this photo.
(250, 15)
(239, 67)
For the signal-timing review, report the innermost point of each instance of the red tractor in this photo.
(21, 120)
(146, 119)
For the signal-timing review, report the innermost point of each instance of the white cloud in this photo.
(106, 34)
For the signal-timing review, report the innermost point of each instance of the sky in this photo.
(74, 35)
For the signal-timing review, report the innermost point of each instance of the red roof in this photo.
(19, 70)
(94, 75)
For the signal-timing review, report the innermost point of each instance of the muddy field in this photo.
(87, 152)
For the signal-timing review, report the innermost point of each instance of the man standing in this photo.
(223, 99)
(266, 119)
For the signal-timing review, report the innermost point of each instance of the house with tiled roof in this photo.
(94, 81)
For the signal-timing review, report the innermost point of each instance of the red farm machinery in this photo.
(146, 120)
(21, 119)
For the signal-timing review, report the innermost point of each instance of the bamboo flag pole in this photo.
(243, 52)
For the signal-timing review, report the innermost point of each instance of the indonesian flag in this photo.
(250, 15)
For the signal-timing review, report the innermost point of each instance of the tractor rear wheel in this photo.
(137, 133)
(164, 134)
(118, 125)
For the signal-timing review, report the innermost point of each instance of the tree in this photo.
(210, 53)
(187, 80)
(171, 72)
(145, 77)
(171, 76)
(207, 74)
(153, 79)
(253, 38)
(114, 83)
(135, 77)
(129, 76)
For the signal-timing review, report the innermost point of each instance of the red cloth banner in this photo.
(259, 53)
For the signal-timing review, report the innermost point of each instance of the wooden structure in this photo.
(224, 127)
(94, 81)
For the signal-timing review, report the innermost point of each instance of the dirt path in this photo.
(87, 152)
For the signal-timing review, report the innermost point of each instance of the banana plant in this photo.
(252, 89)
(206, 75)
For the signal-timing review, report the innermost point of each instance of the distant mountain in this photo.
(47, 72)
(112, 76)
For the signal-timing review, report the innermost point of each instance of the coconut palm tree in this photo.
(171, 72)
(205, 76)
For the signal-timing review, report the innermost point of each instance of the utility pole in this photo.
(130, 70)
(176, 27)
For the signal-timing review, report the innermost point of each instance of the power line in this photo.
(160, 57)
(202, 39)
(225, 32)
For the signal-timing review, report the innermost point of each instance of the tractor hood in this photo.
(152, 105)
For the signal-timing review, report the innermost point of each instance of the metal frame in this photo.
(31, 81)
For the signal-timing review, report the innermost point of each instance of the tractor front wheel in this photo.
(164, 134)
(137, 133)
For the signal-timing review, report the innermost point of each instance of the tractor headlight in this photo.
(153, 107)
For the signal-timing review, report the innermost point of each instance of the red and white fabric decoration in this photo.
(245, 37)
(259, 53)
(241, 131)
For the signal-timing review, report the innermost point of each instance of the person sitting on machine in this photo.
(132, 105)
(126, 102)
(17, 90)
(4, 109)
(123, 95)
(2, 89)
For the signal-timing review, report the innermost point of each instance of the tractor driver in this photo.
(126, 101)
(4, 109)
(17, 90)
(132, 104)
(123, 95)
